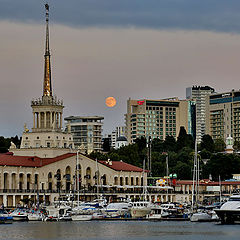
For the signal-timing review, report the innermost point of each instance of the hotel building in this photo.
(223, 115)
(158, 118)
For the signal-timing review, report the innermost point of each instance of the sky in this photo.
(126, 49)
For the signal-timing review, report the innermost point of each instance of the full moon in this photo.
(110, 101)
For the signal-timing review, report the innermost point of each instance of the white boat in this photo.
(156, 213)
(58, 213)
(201, 217)
(82, 217)
(118, 209)
(230, 210)
(5, 217)
(19, 215)
(35, 216)
(140, 209)
(98, 215)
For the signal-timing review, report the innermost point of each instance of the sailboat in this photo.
(198, 215)
(141, 209)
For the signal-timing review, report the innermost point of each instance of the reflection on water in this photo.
(131, 230)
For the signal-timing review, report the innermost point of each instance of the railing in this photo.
(86, 190)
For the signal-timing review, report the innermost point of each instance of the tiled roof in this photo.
(9, 159)
(121, 166)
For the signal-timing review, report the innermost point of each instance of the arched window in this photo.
(68, 178)
(50, 181)
(115, 180)
(137, 181)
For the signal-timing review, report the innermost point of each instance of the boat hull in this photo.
(140, 212)
(228, 216)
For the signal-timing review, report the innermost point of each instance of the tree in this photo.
(219, 145)
(157, 145)
(223, 165)
(236, 145)
(169, 144)
(207, 143)
(183, 170)
(184, 139)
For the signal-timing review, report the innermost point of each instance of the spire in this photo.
(47, 85)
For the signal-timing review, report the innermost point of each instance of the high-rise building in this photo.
(223, 115)
(118, 132)
(86, 131)
(199, 94)
(157, 118)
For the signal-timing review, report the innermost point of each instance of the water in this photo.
(131, 230)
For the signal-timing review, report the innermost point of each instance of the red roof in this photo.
(8, 159)
(28, 161)
(121, 166)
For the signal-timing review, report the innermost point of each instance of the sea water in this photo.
(131, 230)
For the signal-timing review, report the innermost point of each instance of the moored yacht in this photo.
(230, 210)
(140, 209)
(19, 214)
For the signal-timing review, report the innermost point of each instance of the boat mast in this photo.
(167, 173)
(97, 178)
(77, 179)
(194, 174)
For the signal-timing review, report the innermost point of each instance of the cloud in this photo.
(211, 15)
(90, 64)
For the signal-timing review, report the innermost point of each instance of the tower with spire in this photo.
(47, 112)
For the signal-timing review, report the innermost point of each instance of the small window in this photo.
(48, 144)
(26, 138)
(48, 137)
(37, 137)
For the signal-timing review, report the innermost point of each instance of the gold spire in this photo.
(47, 85)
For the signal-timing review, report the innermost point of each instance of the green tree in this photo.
(170, 144)
(236, 145)
(157, 145)
(224, 165)
(207, 143)
(183, 170)
(219, 145)
(184, 139)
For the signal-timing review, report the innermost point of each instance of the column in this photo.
(14, 201)
(34, 120)
(24, 181)
(61, 120)
(57, 120)
(50, 119)
(5, 200)
(39, 120)
(45, 119)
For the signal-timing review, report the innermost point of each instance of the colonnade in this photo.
(47, 119)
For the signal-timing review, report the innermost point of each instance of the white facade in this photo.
(86, 131)
(199, 94)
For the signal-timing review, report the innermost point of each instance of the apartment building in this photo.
(199, 94)
(223, 115)
(86, 131)
(157, 118)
